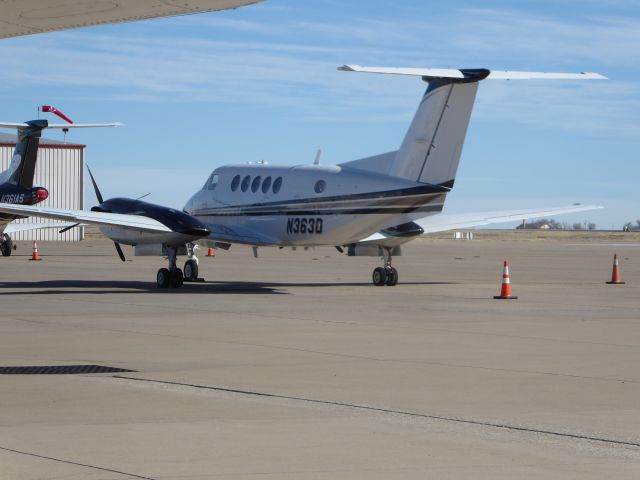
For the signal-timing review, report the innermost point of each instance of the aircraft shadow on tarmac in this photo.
(92, 287)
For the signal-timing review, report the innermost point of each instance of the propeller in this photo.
(66, 229)
(95, 186)
(101, 200)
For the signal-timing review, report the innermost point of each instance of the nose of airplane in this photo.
(192, 226)
(195, 231)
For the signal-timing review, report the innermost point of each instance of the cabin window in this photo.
(277, 185)
(255, 185)
(320, 186)
(235, 182)
(245, 183)
(213, 181)
(266, 185)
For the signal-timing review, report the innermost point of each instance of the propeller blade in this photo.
(95, 187)
(66, 229)
(119, 250)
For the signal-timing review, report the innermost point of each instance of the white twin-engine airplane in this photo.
(370, 206)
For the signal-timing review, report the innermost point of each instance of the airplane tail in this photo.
(431, 149)
(23, 163)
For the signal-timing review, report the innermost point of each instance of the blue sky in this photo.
(260, 83)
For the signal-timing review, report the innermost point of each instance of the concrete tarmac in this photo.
(293, 365)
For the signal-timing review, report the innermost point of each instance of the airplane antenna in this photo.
(317, 160)
(145, 195)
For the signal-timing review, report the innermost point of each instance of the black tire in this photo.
(163, 278)
(6, 247)
(190, 271)
(177, 278)
(379, 276)
(392, 276)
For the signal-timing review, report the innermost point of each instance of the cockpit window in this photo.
(213, 181)
(206, 184)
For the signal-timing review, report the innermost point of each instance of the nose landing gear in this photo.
(386, 275)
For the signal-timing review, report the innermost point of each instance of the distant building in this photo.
(60, 169)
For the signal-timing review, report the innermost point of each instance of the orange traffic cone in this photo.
(34, 255)
(505, 292)
(210, 252)
(615, 273)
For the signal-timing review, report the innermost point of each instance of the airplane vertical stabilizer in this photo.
(431, 149)
(23, 163)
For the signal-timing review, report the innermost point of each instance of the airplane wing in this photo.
(25, 227)
(237, 234)
(26, 17)
(133, 222)
(443, 221)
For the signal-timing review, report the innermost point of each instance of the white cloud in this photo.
(301, 74)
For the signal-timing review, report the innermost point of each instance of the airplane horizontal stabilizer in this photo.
(62, 125)
(473, 74)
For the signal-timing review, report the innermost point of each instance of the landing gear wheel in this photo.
(163, 278)
(6, 247)
(190, 271)
(177, 279)
(392, 276)
(379, 276)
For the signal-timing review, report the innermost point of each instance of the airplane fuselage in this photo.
(307, 205)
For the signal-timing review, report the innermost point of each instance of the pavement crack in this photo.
(70, 462)
(355, 406)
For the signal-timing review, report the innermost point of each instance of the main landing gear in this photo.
(386, 275)
(173, 276)
(6, 245)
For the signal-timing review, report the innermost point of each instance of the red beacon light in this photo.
(40, 194)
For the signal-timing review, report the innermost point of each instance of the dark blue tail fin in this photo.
(23, 163)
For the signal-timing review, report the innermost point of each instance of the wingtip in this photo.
(596, 76)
